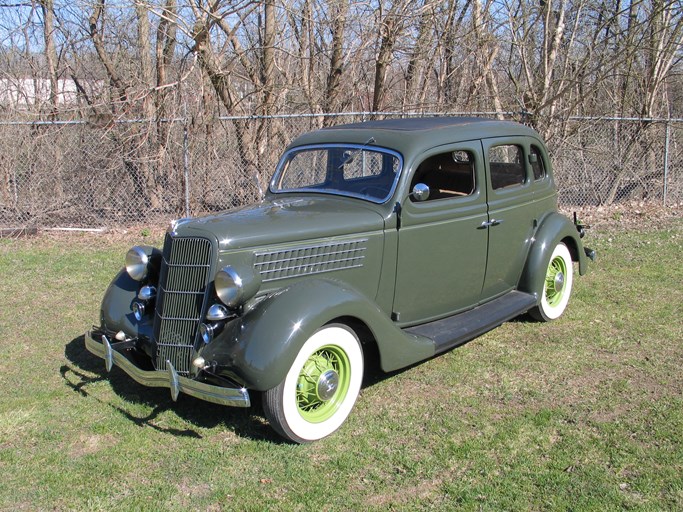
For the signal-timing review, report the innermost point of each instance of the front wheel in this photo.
(557, 285)
(320, 388)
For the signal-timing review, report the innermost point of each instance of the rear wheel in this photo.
(557, 286)
(320, 389)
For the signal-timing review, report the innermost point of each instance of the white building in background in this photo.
(25, 93)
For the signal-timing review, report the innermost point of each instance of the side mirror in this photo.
(420, 192)
(533, 158)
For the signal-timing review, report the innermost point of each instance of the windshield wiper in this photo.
(350, 156)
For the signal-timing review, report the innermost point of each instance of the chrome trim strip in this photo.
(235, 397)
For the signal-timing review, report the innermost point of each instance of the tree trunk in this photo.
(165, 48)
(389, 28)
(48, 9)
(339, 8)
(147, 165)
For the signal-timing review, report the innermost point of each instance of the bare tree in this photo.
(449, 72)
(421, 60)
(390, 27)
(47, 7)
(663, 51)
(339, 12)
(160, 60)
(259, 71)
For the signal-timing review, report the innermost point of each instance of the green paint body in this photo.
(421, 261)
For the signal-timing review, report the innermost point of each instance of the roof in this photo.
(413, 135)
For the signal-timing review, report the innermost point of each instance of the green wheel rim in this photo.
(327, 364)
(554, 281)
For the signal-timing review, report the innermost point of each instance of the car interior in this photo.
(447, 175)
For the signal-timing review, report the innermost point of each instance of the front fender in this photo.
(259, 348)
(554, 228)
(116, 313)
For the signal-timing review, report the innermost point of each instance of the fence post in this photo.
(186, 169)
(666, 159)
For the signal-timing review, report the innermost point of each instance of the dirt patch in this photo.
(87, 445)
(191, 491)
(425, 491)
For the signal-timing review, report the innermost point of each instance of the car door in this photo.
(441, 244)
(511, 219)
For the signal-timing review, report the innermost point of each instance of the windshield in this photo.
(346, 169)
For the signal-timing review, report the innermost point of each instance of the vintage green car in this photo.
(386, 241)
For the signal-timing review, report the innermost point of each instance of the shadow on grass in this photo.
(86, 369)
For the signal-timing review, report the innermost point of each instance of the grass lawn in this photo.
(585, 413)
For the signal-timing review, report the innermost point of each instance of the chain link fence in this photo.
(119, 173)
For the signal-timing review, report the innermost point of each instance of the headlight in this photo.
(139, 261)
(236, 284)
(229, 287)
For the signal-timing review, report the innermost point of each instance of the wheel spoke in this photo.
(322, 363)
(553, 295)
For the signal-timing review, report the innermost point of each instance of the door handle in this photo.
(489, 223)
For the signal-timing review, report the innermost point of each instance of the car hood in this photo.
(286, 219)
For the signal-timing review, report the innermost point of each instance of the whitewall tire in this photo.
(557, 285)
(320, 388)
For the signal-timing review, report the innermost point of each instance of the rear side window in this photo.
(537, 164)
(507, 166)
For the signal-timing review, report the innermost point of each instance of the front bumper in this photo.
(104, 348)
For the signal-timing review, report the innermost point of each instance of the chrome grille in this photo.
(185, 272)
(310, 259)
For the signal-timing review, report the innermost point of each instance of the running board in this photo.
(456, 330)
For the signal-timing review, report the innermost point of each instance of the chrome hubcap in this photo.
(327, 385)
(559, 281)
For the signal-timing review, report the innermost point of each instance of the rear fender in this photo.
(554, 228)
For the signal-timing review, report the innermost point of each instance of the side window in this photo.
(537, 164)
(447, 175)
(507, 166)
